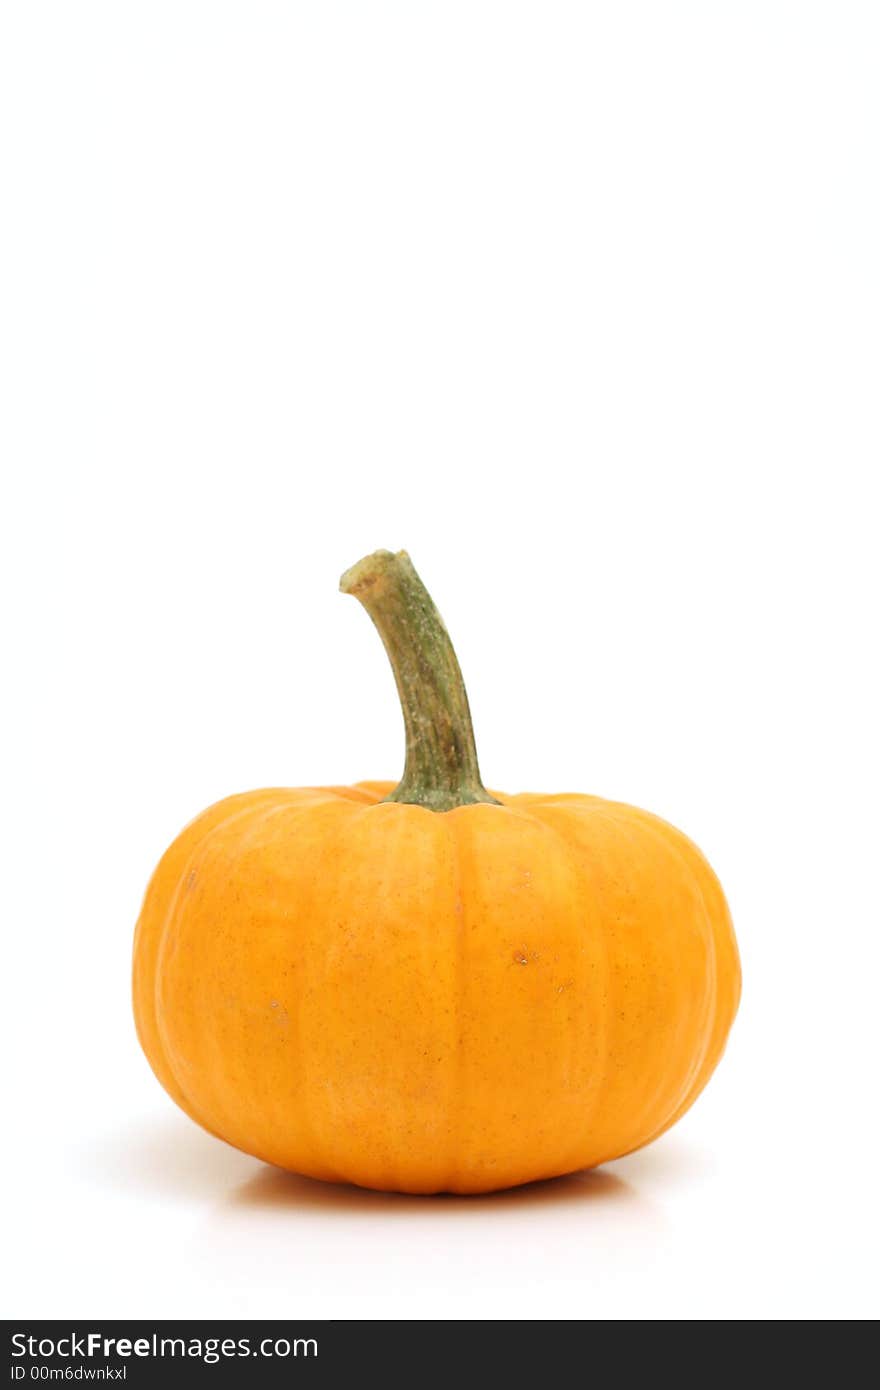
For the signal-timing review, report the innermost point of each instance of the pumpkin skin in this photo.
(370, 991)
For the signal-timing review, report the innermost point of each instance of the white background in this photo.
(580, 304)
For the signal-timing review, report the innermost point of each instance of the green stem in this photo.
(441, 770)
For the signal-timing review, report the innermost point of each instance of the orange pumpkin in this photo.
(432, 988)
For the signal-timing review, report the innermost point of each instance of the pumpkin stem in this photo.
(441, 769)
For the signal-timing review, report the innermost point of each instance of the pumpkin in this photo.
(431, 987)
